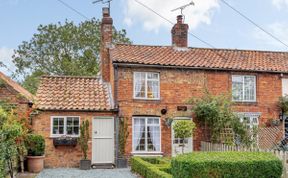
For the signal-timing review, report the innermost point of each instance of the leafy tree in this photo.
(183, 129)
(62, 49)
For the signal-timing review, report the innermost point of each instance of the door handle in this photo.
(95, 132)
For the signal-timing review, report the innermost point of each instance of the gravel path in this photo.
(93, 173)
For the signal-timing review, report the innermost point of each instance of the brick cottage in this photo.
(14, 96)
(149, 85)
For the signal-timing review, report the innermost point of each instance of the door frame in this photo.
(175, 119)
(92, 151)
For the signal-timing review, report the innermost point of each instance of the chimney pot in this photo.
(179, 19)
(105, 11)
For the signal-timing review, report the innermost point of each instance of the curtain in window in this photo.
(139, 85)
(155, 137)
(153, 91)
(138, 130)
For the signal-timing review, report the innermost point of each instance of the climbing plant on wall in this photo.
(215, 112)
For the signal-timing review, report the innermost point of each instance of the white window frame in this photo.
(146, 85)
(65, 126)
(284, 87)
(146, 144)
(255, 94)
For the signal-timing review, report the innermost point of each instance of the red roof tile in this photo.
(74, 93)
(224, 59)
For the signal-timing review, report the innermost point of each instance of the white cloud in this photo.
(201, 12)
(278, 29)
(6, 59)
(280, 3)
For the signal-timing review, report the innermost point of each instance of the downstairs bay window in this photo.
(146, 135)
(65, 126)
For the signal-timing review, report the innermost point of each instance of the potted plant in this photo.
(85, 164)
(183, 129)
(123, 135)
(35, 145)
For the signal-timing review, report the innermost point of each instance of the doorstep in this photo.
(26, 175)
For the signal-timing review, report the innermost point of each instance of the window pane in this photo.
(152, 76)
(139, 88)
(153, 138)
(72, 126)
(237, 88)
(249, 87)
(153, 89)
(58, 126)
(139, 134)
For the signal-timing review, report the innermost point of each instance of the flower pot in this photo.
(35, 163)
(122, 163)
(85, 164)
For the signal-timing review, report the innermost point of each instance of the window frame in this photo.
(146, 144)
(243, 90)
(65, 126)
(146, 85)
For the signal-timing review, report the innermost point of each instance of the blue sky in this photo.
(210, 20)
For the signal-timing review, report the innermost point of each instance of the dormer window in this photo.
(146, 85)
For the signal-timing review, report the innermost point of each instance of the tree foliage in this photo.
(62, 49)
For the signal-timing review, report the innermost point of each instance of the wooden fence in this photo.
(282, 155)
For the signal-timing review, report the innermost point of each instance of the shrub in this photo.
(149, 170)
(35, 145)
(226, 164)
(84, 138)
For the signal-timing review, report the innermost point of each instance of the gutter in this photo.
(81, 110)
(197, 68)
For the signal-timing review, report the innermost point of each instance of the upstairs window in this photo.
(62, 125)
(244, 88)
(146, 85)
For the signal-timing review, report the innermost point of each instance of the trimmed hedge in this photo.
(226, 164)
(149, 170)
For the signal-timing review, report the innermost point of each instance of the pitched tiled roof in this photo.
(73, 93)
(18, 88)
(205, 58)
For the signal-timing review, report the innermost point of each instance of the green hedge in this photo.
(226, 164)
(2, 168)
(145, 168)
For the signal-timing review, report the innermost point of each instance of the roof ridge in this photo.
(190, 47)
(70, 76)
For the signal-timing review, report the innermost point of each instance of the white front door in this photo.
(103, 140)
(178, 142)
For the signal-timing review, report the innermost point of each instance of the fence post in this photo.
(284, 164)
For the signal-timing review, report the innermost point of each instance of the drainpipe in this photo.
(117, 116)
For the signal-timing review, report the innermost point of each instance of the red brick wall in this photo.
(9, 95)
(177, 86)
(62, 156)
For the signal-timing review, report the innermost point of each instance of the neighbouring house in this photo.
(63, 103)
(15, 97)
(149, 86)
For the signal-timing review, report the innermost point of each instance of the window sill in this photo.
(63, 136)
(245, 102)
(146, 100)
(147, 153)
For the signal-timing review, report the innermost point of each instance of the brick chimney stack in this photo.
(180, 33)
(106, 43)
